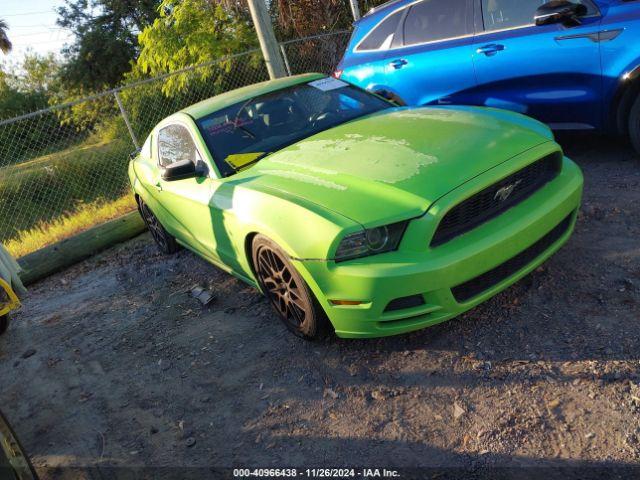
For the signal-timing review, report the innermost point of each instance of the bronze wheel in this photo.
(287, 291)
(165, 242)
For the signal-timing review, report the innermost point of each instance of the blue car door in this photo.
(429, 60)
(366, 65)
(550, 72)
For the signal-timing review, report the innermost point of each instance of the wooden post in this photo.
(286, 59)
(51, 259)
(355, 10)
(267, 38)
(126, 119)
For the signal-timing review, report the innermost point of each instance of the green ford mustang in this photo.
(350, 212)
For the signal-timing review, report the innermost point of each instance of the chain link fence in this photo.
(64, 169)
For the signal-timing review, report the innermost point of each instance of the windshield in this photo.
(244, 132)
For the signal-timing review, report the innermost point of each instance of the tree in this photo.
(38, 73)
(301, 18)
(5, 44)
(105, 39)
(192, 32)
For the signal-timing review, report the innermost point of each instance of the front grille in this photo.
(479, 284)
(488, 203)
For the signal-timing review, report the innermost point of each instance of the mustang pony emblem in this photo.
(504, 193)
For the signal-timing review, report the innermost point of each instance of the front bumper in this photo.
(417, 269)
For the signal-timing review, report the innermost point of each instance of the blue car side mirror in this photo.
(559, 11)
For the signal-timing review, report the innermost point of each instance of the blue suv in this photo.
(573, 65)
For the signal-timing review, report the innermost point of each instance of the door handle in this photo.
(158, 186)
(490, 49)
(399, 63)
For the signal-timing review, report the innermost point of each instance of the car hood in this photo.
(396, 163)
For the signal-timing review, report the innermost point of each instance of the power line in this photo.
(28, 13)
(30, 44)
(41, 25)
(49, 30)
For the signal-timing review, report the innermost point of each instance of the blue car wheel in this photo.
(634, 125)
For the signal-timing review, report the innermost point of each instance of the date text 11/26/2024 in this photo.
(316, 473)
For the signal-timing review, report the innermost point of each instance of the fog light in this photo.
(346, 302)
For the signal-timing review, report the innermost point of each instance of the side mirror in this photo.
(179, 171)
(559, 11)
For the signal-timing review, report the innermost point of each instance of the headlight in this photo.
(370, 241)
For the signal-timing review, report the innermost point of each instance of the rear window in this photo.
(382, 35)
(434, 20)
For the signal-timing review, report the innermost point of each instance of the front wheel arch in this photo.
(248, 253)
(316, 322)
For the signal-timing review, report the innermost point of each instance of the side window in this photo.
(175, 144)
(503, 14)
(382, 35)
(433, 20)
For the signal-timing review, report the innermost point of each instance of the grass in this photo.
(54, 196)
(68, 225)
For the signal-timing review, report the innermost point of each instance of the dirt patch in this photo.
(130, 370)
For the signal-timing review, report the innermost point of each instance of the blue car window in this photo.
(503, 14)
(433, 20)
(382, 34)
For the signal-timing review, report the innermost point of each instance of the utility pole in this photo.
(355, 9)
(267, 38)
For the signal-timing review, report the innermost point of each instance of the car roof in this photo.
(384, 6)
(213, 104)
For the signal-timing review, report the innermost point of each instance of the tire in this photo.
(4, 323)
(634, 125)
(289, 294)
(164, 241)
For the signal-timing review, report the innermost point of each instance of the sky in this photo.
(32, 24)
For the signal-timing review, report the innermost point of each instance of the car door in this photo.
(366, 66)
(187, 200)
(430, 57)
(551, 72)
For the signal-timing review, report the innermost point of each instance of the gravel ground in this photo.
(113, 363)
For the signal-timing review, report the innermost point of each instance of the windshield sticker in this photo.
(327, 84)
(240, 160)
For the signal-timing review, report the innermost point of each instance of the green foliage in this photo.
(83, 116)
(23, 92)
(38, 73)
(187, 33)
(191, 32)
(106, 42)
(302, 18)
(47, 187)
